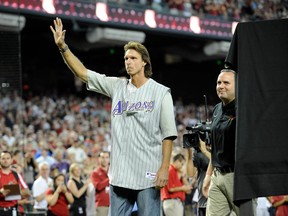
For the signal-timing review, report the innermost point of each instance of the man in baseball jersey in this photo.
(142, 126)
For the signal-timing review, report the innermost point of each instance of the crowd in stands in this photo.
(65, 130)
(51, 128)
(234, 10)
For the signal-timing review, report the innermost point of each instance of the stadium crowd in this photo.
(66, 130)
(234, 10)
(51, 123)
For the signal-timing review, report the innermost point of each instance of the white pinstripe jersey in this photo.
(136, 128)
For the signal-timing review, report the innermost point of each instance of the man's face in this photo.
(44, 171)
(225, 87)
(6, 160)
(104, 159)
(133, 62)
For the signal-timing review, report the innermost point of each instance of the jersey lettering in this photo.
(122, 106)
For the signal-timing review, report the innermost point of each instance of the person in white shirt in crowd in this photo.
(8, 137)
(45, 157)
(40, 186)
(76, 153)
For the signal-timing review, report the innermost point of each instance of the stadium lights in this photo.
(101, 11)
(48, 6)
(114, 36)
(195, 24)
(150, 18)
(10, 22)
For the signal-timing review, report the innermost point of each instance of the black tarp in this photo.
(259, 54)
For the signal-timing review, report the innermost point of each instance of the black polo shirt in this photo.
(223, 130)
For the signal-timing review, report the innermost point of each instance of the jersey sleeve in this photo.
(101, 83)
(167, 119)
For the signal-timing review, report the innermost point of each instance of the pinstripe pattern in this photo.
(136, 135)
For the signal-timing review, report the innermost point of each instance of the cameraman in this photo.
(197, 163)
(220, 172)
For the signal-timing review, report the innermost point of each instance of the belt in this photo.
(173, 199)
(225, 170)
(40, 209)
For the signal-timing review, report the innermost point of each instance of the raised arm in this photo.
(191, 169)
(70, 59)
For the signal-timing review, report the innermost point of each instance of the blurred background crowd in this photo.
(43, 126)
(237, 10)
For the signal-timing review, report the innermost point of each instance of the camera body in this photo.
(200, 130)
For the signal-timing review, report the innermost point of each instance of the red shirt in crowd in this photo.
(10, 179)
(173, 182)
(61, 206)
(281, 210)
(100, 180)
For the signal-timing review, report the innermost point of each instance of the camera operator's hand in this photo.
(202, 145)
(203, 149)
(190, 153)
(206, 185)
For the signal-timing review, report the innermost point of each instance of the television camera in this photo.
(199, 130)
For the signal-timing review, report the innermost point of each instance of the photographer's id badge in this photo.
(150, 175)
(80, 210)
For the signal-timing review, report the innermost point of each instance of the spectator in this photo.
(18, 161)
(173, 194)
(76, 153)
(9, 176)
(40, 186)
(8, 138)
(263, 206)
(60, 165)
(197, 164)
(45, 157)
(58, 197)
(24, 204)
(100, 180)
(281, 204)
(176, 7)
(78, 188)
(30, 168)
